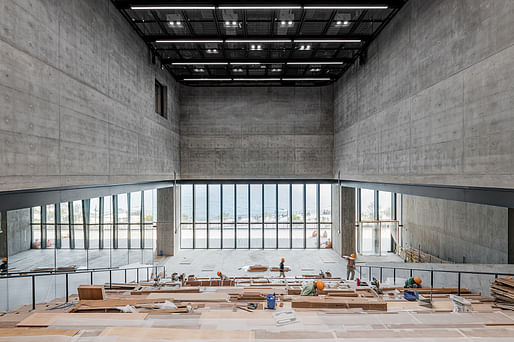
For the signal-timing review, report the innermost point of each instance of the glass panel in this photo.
(283, 203)
(78, 230)
(77, 212)
(107, 227)
(242, 203)
(214, 203)
(297, 206)
(325, 236)
(256, 203)
(122, 236)
(384, 203)
(65, 228)
(284, 236)
(228, 204)
(270, 203)
(123, 208)
(50, 213)
(36, 215)
(135, 207)
(148, 205)
(369, 238)
(214, 235)
(201, 203)
(36, 236)
(312, 236)
(93, 236)
(228, 235)
(186, 236)
(242, 235)
(325, 202)
(94, 211)
(186, 194)
(148, 236)
(256, 236)
(311, 202)
(50, 226)
(270, 235)
(387, 238)
(298, 236)
(201, 235)
(135, 236)
(367, 205)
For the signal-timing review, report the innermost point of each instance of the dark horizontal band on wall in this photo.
(500, 197)
(12, 200)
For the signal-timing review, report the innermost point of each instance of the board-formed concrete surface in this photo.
(434, 104)
(77, 98)
(256, 132)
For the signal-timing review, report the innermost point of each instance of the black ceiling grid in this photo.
(218, 57)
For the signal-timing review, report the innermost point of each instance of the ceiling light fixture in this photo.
(307, 79)
(188, 41)
(305, 47)
(207, 79)
(212, 51)
(258, 41)
(327, 41)
(259, 7)
(256, 79)
(356, 7)
(317, 63)
(172, 7)
(199, 63)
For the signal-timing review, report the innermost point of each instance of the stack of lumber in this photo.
(416, 255)
(210, 282)
(337, 303)
(257, 268)
(502, 289)
(144, 290)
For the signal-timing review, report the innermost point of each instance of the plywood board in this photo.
(37, 332)
(192, 297)
(91, 292)
(179, 334)
(44, 319)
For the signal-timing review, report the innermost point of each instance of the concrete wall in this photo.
(165, 222)
(77, 98)
(18, 231)
(456, 231)
(256, 132)
(434, 103)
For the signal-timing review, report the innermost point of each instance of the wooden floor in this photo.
(220, 313)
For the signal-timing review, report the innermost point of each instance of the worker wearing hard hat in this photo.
(312, 288)
(3, 266)
(282, 274)
(222, 276)
(413, 283)
(350, 266)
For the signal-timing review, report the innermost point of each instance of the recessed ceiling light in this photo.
(207, 79)
(327, 40)
(260, 7)
(237, 70)
(212, 51)
(174, 41)
(347, 7)
(172, 7)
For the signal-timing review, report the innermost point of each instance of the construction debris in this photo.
(502, 289)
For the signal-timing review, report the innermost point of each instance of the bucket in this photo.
(271, 298)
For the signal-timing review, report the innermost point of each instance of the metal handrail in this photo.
(33, 276)
(410, 269)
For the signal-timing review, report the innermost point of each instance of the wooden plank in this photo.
(165, 290)
(192, 297)
(178, 334)
(11, 332)
(337, 302)
(45, 319)
(91, 292)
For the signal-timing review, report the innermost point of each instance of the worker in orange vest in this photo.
(350, 266)
(282, 274)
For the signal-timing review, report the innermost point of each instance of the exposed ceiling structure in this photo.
(241, 43)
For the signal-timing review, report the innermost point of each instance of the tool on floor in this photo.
(271, 298)
(252, 306)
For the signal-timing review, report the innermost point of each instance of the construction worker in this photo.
(222, 276)
(282, 274)
(3, 266)
(312, 288)
(350, 266)
(413, 283)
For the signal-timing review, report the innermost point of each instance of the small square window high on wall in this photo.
(161, 99)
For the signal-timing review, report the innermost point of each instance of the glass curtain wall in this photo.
(99, 232)
(256, 216)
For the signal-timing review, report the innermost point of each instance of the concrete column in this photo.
(347, 221)
(511, 236)
(165, 222)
